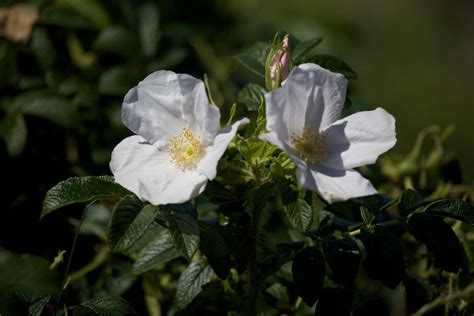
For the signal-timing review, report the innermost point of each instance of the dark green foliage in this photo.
(343, 257)
(214, 246)
(104, 306)
(458, 209)
(409, 201)
(334, 302)
(252, 95)
(439, 238)
(254, 58)
(308, 274)
(384, 260)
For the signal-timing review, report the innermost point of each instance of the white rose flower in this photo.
(178, 144)
(303, 120)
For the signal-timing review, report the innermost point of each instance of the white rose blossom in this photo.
(303, 120)
(178, 144)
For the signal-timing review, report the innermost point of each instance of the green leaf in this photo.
(148, 27)
(91, 9)
(129, 222)
(106, 306)
(301, 49)
(255, 58)
(439, 238)
(309, 269)
(409, 201)
(36, 308)
(116, 81)
(367, 216)
(14, 132)
(343, 257)
(333, 64)
(64, 17)
(252, 95)
(157, 252)
(384, 259)
(80, 190)
(184, 232)
(53, 108)
(43, 48)
(191, 281)
(213, 245)
(457, 209)
(300, 214)
(117, 39)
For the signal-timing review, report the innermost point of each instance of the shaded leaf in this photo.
(334, 302)
(129, 222)
(148, 27)
(457, 209)
(118, 40)
(439, 238)
(14, 132)
(116, 81)
(303, 48)
(309, 269)
(184, 232)
(106, 306)
(343, 257)
(384, 256)
(409, 201)
(191, 281)
(65, 17)
(333, 64)
(157, 252)
(252, 95)
(36, 308)
(91, 9)
(214, 246)
(300, 214)
(255, 58)
(416, 294)
(80, 190)
(43, 48)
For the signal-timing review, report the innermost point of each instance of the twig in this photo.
(441, 300)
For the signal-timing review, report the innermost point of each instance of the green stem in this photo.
(250, 308)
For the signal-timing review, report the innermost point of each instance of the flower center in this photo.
(185, 149)
(311, 145)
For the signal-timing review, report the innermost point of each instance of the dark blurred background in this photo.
(65, 66)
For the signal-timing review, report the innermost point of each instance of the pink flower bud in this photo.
(279, 63)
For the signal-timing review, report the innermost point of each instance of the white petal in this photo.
(164, 103)
(334, 185)
(359, 139)
(310, 96)
(148, 172)
(333, 89)
(208, 164)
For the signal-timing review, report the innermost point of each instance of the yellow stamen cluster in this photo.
(310, 145)
(185, 149)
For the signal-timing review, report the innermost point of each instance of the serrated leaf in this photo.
(116, 81)
(457, 209)
(439, 238)
(213, 245)
(118, 40)
(300, 214)
(191, 281)
(384, 259)
(252, 95)
(184, 232)
(107, 306)
(80, 190)
(36, 308)
(409, 201)
(334, 302)
(303, 48)
(255, 58)
(148, 27)
(129, 222)
(158, 251)
(343, 257)
(309, 269)
(333, 64)
(14, 132)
